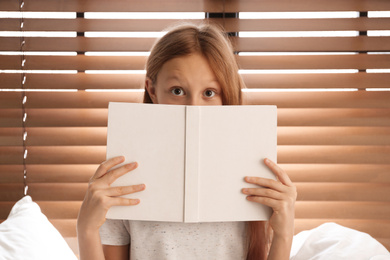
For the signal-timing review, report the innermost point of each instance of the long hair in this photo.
(207, 40)
(213, 44)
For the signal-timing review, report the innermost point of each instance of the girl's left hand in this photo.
(279, 195)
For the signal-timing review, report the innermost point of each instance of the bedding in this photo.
(331, 241)
(27, 234)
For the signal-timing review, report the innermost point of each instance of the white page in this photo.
(153, 136)
(234, 142)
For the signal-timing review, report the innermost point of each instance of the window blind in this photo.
(325, 64)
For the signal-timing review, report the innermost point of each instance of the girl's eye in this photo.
(177, 92)
(209, 93)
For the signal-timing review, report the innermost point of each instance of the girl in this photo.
(190, 65)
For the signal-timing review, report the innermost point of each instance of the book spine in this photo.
(191, 196)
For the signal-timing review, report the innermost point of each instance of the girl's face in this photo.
(186, 80)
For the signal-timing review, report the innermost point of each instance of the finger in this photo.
(118, 201)
(107, 165)
(123, 190)
(269, 193)
(279, 172)
(112, 175)
(268, 183)
(264, 201)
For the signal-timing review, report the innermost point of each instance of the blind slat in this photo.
(11, 192)
(11, 174)
(116, 6)
(136, 81)
(51, 136)
(361, 61)
(101, 25)
(378, 192)
(11, 136)
(355, 99)
(328, 24)
(286, 117)
(306, 44)
(82, 99)
(68, 173)
(81, 62)
(347, 80)
(231, 25)
(305, 5)
(190, 5)
(355, 193)
(370, 173)
(334, 154)
(299, 44)
(286, 154)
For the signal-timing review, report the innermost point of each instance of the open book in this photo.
(192, 159)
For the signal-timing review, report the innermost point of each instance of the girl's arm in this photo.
(99, 198)
(116, 252)
(280, 196)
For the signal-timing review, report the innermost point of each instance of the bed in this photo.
(27, 234)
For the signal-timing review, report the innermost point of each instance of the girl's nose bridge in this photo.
(193, 99)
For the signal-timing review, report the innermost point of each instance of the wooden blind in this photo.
(332, 95)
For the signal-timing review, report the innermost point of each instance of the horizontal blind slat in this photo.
(230, 25)
(100, 25)
(298, 44)
(333, 135)
(11, 174)
(378, 192)
(361, 62)
(323, 154)
(354, 99)
(347, 80)
(82, 99)
(305, 5)
(334, 154)
(342, 210)
(286, 117)
(116, 6)
(369, 173)
(55, 136)
(307, 44)
(57, 173)
(11, 192)
(79, 62)
(136, 81)
(82, 62)
(308, 24)
(42, 173)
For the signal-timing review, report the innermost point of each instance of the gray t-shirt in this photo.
(166, 240)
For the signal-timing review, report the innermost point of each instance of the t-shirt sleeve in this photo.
(114, 232)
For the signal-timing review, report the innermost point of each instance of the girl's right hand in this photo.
(101, 196)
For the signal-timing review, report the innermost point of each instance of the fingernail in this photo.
(130, 165)
(245, 190)
(267, 160)
(248, 179)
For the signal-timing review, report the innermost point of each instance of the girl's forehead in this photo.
(187, 66)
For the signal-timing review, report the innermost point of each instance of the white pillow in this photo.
(333, 241)
(28, 234)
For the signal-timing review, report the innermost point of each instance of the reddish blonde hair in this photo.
(211, 42)
(207, 40)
